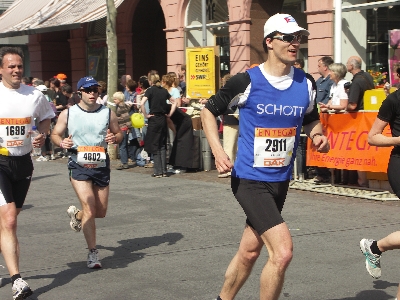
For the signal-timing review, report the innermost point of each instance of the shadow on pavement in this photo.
(372, 294)
(123, 255)
(44, 176)
(383, 284)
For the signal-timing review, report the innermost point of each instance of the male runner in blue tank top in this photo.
(275, 101)
(91, 126)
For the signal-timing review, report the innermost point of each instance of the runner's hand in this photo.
(110, 137)
(39, 140)
(223, 163)
(67, 143)
(321, 143)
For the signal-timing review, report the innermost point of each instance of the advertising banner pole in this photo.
(204, 21)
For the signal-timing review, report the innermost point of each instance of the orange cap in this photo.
(61, 76)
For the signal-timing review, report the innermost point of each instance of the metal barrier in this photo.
(205, 151)
(349, 191)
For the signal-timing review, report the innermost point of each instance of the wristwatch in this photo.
(316, 134)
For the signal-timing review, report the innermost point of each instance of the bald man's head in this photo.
(354, 64)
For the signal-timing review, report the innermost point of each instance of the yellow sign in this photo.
(200, 72)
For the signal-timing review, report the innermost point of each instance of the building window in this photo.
(97, 56)
(379, 22)
(217, 29)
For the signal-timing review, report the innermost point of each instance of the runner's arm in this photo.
(376, 138)
(216, 106)
(319, 140)
(57, 136)
(222, 161)
(219, 103)
(43, 128)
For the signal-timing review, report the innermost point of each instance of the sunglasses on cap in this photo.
(289, 38)
(89, 90)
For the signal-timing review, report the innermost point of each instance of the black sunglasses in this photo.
(289, 38)
(89, 90)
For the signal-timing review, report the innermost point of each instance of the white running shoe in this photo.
(21, 289)
(42, 158)
(93, 260)
(75, 224)
(372, 261)
(224, 175)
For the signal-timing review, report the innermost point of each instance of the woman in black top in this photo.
(389, 113)
(157, 130)
(181, 154)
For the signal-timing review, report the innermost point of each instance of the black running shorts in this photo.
(393, 174)
(99, 176)
(15, 178)
(261, 201)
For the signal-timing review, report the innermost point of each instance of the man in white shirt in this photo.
(20, 105)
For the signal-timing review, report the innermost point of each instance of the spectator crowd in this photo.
(173, 149)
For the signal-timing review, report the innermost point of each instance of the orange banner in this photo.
(348, 137)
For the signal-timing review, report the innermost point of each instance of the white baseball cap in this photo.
(283, 23)
(42, 88)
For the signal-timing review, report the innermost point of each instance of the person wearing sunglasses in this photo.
(275, 100)
(91, 126)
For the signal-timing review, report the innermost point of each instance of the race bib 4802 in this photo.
(91, 156)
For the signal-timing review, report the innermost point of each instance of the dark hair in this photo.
(37, 82)
(131, 84)
(269, 36)
(26, 80)
(144, 81)
(10, 50)
(102, 85)
(55, 81)
(300, 61)
(326, 60)
(66, 88)
(265, 44)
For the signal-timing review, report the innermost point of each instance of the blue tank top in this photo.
(88, 128)
(269, 128)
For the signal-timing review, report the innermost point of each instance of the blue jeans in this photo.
(126, 150)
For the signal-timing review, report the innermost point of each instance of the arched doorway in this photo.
(148, 39)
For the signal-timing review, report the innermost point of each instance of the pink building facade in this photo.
(153, 34)
(320, 19)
